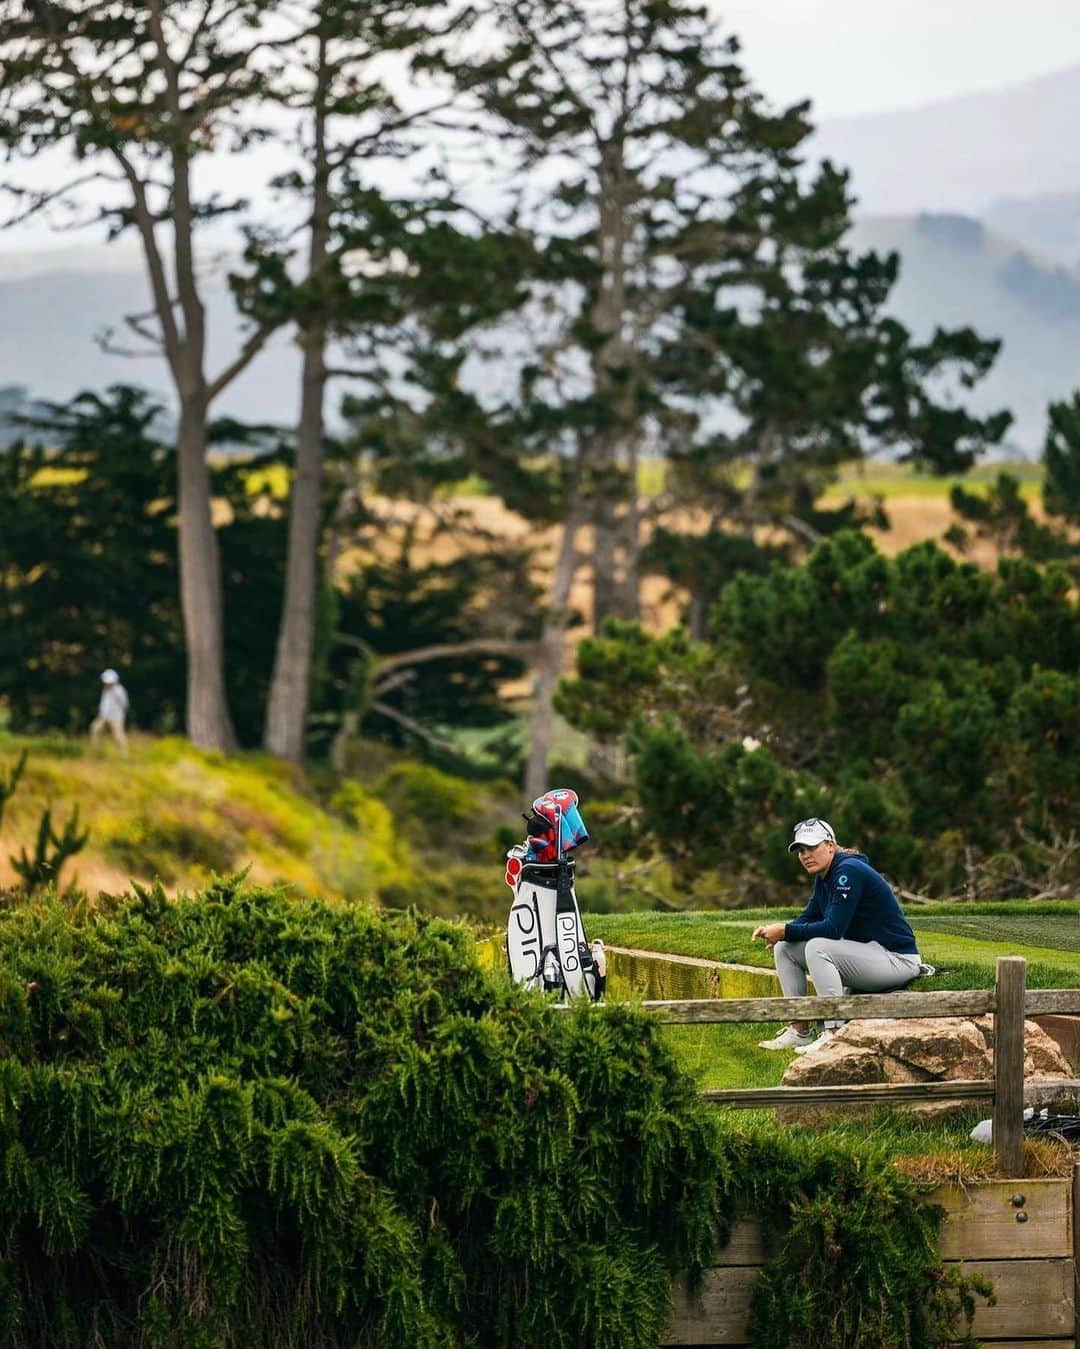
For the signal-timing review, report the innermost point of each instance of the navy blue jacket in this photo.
(852, 901)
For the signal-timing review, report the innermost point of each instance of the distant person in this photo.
(112, 709)
(851, 937)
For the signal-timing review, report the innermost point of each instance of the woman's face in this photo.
(818, 858)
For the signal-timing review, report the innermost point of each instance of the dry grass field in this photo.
(918, 509)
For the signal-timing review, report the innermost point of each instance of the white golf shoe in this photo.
(790, 1038)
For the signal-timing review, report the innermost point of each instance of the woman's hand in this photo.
(770, 933)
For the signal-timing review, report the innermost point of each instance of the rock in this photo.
(1042, 1054)
(1065, 1033)
(941, 1049)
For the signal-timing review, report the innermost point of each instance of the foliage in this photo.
(51, 851)
(240, 1118)
(867, 1272)
(100, 486)
(926, 708)
(1004, 517)
(99, 483)
(266, 1121)
(10, 782)
(1061, 491)
(695, 273)
(406, 605)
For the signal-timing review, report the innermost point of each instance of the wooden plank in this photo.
(1034, 1297)
(855, 1006)
(718, 1313)
(747, 1245)
(1044, 1001)
(1070, 1343)
(1075, 1215)
(982, 1220)
(1008, 1113)
(862, 1093)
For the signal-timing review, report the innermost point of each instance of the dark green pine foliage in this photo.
(811, 373)
(643, 123)
(88, 556)
(1061, 458)
(1002, 516)
(925, 707)
(243, 1119)
(697, 297)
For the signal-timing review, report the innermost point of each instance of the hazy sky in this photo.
(857, 56)
(847, 56)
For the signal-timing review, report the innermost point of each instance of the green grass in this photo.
(900, 480)
(1048, 938)
(888, 480)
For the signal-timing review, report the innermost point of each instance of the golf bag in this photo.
(545, 938)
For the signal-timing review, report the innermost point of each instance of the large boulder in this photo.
(940, 1049)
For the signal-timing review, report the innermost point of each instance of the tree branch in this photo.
(448, 650)
(246, 355)
(40, 200)
(432, 737)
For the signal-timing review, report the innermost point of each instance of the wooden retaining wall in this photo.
(1019, 1233)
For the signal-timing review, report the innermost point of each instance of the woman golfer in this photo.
(851, 937)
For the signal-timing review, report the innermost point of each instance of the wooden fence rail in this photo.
(1009, 1002)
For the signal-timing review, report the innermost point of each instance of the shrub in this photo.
(264, 1121)
(159, 846)
(238, 1119)
(384, 861)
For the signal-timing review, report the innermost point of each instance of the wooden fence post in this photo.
(1009, 1064)
(1075, 1215)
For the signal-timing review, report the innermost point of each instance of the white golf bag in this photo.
(546, 946)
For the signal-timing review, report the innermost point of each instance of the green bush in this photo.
(240, 1119)
(163, 845)
(243, 1119)
(426, 797)
(913, 701)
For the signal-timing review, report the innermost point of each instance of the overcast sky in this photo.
(858, 56)
(849, 57)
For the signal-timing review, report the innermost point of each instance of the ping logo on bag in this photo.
(568, 941)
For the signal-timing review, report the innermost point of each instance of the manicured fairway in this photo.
(727, 1055)
(963, 940)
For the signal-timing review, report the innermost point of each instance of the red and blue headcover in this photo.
(558, 804)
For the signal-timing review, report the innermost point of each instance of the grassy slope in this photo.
(169, 811)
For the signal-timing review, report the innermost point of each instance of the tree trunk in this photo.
(613, 449)
(287, 706)
(208, 722)
(549, 661)
(290, 686)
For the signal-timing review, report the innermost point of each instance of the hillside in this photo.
(955, 272)
(172, 813)
(963, 153)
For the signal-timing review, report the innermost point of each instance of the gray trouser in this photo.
(836, 966)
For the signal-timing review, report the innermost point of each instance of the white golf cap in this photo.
(810, 833)
(109, 677)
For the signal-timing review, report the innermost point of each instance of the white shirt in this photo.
(114, 703)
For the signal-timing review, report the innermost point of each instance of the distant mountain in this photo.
(956, 272)
(1047, 225)
(49, 320)
(964, 154)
